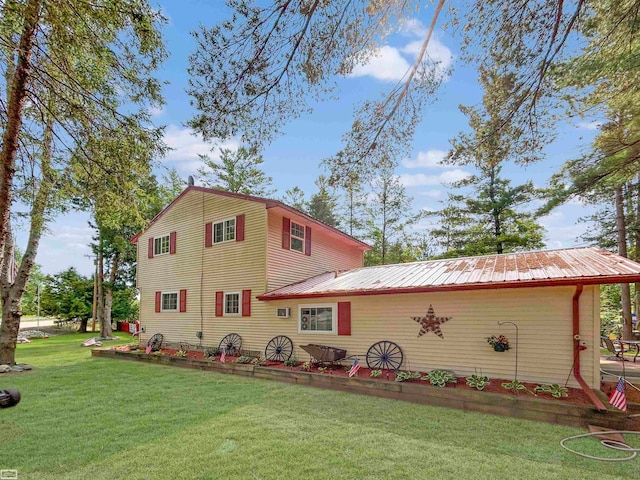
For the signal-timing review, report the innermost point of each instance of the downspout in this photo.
(577, 348)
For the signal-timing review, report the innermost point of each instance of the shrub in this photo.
(292, 362)
(478, 381)
(375, 373)
(554, 389)
(181, 353)
(244, 359)
(404, 376)
(439, 378)
(212, 351)
(516, 386)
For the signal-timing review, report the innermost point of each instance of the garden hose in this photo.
(606, 443)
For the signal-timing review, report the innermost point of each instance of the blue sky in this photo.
(294, 158)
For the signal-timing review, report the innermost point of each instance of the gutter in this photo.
(577, 348)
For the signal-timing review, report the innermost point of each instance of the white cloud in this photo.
(391, 63)
(595, 125)
(386, 63)
(156, 111)
(186, 148)
(428, 159)
(421, 179)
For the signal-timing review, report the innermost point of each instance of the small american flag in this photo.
(223, 356)
(618, 398)
(354, 368)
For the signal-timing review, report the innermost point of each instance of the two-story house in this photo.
(214, 263)
(207, 256)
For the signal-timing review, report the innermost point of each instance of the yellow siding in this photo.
(231, 266)
(327, 254)
(543, 315)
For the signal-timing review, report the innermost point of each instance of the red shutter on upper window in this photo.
(307, 241)
(208, 234)
(150, 252)
(344, 318)
(286, 233)
(240, 228)
(158, 300)
(172, 243)
(219, 300)
(246, 303)
(183, 301)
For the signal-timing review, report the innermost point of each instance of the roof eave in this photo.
(562, 282)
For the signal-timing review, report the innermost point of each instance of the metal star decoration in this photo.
(431, 323)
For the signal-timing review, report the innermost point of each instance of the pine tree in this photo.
(237, 172)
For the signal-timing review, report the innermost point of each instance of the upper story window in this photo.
(297, 237)
(161, 245)
(224, 231)
(231, 303)
(169, 302)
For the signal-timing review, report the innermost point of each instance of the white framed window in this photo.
(232, 303)
(224, 231)
(161, 245)
(320, 318)
(297, 237)
(169, 302)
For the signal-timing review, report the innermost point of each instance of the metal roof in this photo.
(571, 266)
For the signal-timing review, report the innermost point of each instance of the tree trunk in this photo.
(83, 325)
(107, 331)
(100, 280)
(12, 291)
(16, 97)
(636, 237)
(622, 251)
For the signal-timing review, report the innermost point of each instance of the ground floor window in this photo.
(169, 301)
(317, 318)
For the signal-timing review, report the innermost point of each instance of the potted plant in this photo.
(499, 343)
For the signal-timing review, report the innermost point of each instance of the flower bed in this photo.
(573, 410)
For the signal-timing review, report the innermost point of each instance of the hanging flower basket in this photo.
(499, 343)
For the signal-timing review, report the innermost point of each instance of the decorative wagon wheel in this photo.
(231, 344)
(155, 342)
(279, 348)
(384, 354)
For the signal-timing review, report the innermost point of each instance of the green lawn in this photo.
(84, 418)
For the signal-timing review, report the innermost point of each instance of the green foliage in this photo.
(478, 381)
(294, 197)
(554, 389)
(237, 171)
(212, 351)
(439, 378)
(259, 361)
(403, 376)
(375, 373)
(292, 362)
(67, 295)
(181, 353)
(516, 386)
(322, 205)
(244, 359)
(306, 367)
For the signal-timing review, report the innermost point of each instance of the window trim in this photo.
(177, 294)
(292, 236)
(168, 237)
(224, 304)
(334, 319)
(223, 221)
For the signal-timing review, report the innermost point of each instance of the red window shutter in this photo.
(344, 318)
(246, 303)
(240, 228)
(150, 252)
(286, 233)
(307, 241)
(183, 301)
(172, 243)
(219, 300)
(158, 300)
(208, 234)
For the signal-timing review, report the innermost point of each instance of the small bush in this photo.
(478, 381)
(292, 362)
(181, 353)
(305, 367)
(554, 389)
(439, 378)
(212, 351)
(244, 359)
(375, 373)
(405, 376)
(516, 386)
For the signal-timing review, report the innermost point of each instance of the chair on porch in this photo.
(615, 347)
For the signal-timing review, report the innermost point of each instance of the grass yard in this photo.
(105, 419)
